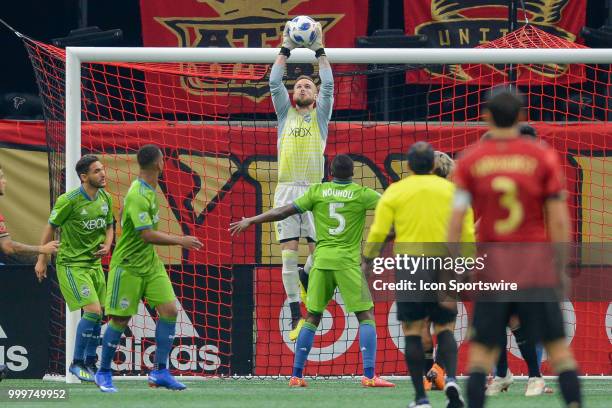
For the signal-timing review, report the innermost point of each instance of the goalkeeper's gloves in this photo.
(288, 44)
(317, 46)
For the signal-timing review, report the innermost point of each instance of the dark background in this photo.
(44, 20)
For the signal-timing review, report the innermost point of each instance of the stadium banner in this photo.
(24, 339)
(473, 23)
(238, 23)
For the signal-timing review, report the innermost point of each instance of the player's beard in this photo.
(304, 103)
(98, 184)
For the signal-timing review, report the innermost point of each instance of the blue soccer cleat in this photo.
(163, 378)
(81, 372)
(104, 381)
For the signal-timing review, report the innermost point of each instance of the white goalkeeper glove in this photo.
(288, 44)
(318, 43)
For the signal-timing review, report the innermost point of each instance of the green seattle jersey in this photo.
(140, 212)
(83, 222)
(339, 210)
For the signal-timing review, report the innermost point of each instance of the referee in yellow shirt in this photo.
(418, 208)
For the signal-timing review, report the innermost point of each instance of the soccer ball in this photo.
(302, 31)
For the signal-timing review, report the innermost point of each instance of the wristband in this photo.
(320, 52)
(285, 51)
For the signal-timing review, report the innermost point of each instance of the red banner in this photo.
(476, 23)
(238, 23)
(335, 349)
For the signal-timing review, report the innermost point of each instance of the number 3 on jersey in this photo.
(509, 200)
(339, 217)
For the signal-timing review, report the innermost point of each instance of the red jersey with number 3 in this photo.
(509, 181)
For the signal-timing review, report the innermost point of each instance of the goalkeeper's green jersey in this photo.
(140, 212)
(339, 210)
(83, 221)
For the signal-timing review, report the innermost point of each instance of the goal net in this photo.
(216, 126)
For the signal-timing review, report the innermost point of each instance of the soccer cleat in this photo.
(453, 395)
(436, 376)
(535, 386)
(376, 381)
(81, 372)
(104, 381)
(91, 367)
(163, 378)
(499, 384)
(422, 403)
(426, 383)
(294, 333)
(297, 382)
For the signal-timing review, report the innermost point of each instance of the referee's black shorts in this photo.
(413, 311)
(541, 321)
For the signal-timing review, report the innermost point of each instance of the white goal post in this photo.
(75, 56)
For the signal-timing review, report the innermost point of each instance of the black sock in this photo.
(570, 388)
(429, 359)
(303, 278)
(296, 313)
(476, 389)
(447, 353)
(528, 351)
(415, 360)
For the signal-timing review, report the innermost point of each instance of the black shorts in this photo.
(541, 321)
(413, 311)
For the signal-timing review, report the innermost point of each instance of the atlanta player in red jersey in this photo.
(10, 247)
(516, 186)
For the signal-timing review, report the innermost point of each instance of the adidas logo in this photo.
(83, 212)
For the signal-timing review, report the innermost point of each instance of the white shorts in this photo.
(298, 225)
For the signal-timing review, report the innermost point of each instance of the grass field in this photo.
(275, 393)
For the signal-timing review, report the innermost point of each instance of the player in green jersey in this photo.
(339, 209)
(136, 272)
(84, 216)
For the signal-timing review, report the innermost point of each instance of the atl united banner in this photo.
(243, 23)
(475, 23)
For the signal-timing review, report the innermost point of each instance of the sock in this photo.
(429, 359)
(164, 337)
(447, 353)
(296, 313)
(528, 351)
(92, 347)
(302, 348)
(415, 360)
(367, 344)
(83, 335)
(476, 389)
(110, 342)
(570, 388)
(290, 275)
(502, 363)
(308, 264)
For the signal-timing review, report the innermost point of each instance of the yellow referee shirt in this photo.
(419, 209)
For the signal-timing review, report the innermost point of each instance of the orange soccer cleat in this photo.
(375, 382)
(297, 382)
(436, 376)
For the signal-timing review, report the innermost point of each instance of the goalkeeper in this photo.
(302, 135)
(339, 209)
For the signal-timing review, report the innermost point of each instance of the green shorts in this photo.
(126, 288)
(81, 285)
(353, 287)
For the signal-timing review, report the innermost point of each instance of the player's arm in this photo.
(151, 236)
(275, 214)
(325, 99)
(377, 236)
(280, 95)
(43, 260)
(461, 204)
(10, 247)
